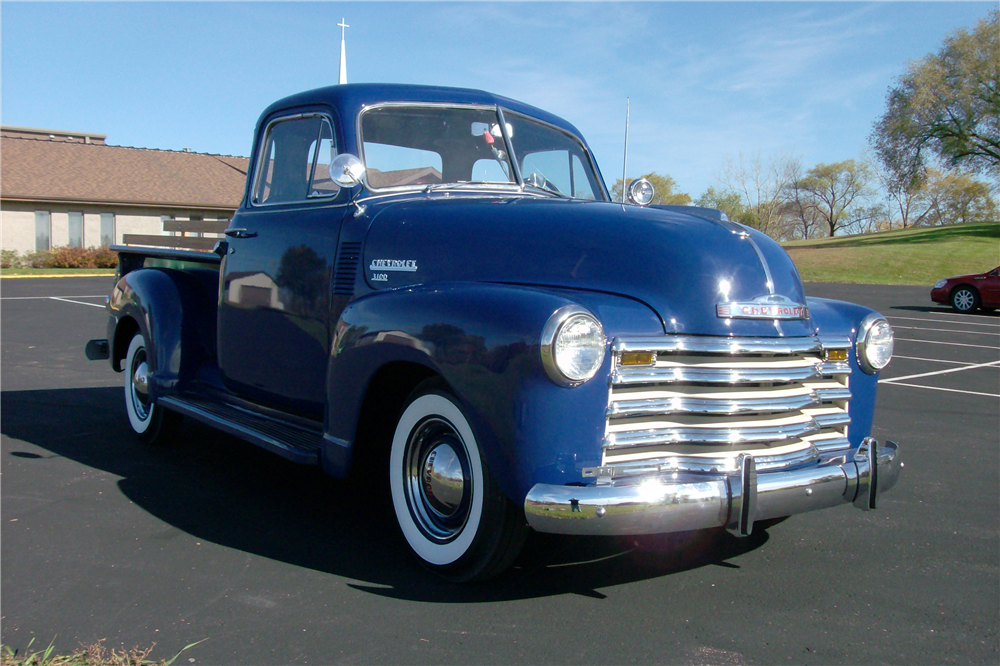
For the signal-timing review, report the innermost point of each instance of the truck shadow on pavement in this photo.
(218, 489)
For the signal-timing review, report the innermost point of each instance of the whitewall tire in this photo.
(449, 508)
(151, 422)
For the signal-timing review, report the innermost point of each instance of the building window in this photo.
(43, 231)
(76, 229)
(107, 229)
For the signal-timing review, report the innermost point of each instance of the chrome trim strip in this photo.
(730, 376)
(834, 368)
(716, 435)
(664, 503)
(831, 394)
(698, 464)
(710, 345)
(719, 406)
(837, 420)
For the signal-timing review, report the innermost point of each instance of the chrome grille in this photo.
(697, 402)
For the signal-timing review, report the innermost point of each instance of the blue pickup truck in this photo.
(438, 278)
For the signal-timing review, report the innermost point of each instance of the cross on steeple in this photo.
(343, 52)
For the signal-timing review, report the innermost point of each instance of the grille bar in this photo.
(706, 400)
(730, 376)
(719, 435)
(724, 407)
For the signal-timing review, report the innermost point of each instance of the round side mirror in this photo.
(346, 170)
(640, 192)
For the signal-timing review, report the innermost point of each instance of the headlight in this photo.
(939, 284)
(874, 343)
(572, 346)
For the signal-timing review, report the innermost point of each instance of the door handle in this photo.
(240, 232)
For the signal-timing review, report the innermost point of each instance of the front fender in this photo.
(843, 319)
(175, 312)
(484, 341)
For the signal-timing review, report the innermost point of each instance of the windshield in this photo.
(551, 159)
(407, 146)
(442, 146)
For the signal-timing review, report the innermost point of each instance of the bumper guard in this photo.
(675, 502)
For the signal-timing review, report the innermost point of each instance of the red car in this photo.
(966, 293)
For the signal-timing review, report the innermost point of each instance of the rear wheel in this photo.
(448, 506)
(964, 299)
(151, 422)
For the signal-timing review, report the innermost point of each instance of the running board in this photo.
(291, 442)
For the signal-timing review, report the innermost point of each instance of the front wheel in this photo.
(964, 299)
(448, 506)
(151, 422)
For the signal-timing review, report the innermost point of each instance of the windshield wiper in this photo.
(503, 187)
(544, 190)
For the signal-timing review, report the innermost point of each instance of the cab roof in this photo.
(352, 97)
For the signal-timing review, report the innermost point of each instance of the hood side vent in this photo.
(346, 269)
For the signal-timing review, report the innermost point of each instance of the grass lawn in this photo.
(911, 256)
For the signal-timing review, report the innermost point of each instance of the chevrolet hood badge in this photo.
(770, 306)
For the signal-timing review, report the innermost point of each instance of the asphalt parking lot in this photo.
(211, 538)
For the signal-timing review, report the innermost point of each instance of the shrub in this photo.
(8, 259)
(39, 259)
(104, 257)
(64, 257)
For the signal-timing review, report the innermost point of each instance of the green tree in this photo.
(663, 187)
(957, 198)
(947, 104)
(727, 201)
(830, 191)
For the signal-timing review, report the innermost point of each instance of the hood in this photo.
(679, 265)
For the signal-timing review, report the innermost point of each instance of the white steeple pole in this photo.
(343, 53)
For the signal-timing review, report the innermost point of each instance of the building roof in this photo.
(46, 170)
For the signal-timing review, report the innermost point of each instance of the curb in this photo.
(77, 275)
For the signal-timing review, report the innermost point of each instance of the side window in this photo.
(581, 185)
(294, 163)
(551, 167)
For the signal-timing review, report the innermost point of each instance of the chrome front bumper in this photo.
(675, 502)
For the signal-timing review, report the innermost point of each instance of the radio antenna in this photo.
(625, 160)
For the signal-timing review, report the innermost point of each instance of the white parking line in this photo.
(944, 330)
(67, 300)
(43, 298)
(949, 321)
(931, 360)
(950, 344)
(939, 372)
(939, 388)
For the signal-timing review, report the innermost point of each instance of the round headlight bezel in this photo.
(560, 324)
(873, 326)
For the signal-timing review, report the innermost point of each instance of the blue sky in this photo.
(707, 81)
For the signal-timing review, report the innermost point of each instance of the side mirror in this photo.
(346, 170)
(640, 192)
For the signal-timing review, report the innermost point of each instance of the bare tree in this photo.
(910, 199)
(760, 185)
(832, 189)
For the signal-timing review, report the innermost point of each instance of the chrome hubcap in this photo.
(140, 380)
(444, 480)
(140, 385)
(437, 479)
(963, 300)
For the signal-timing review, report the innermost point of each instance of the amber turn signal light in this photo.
(836, 354)
(638, 358)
